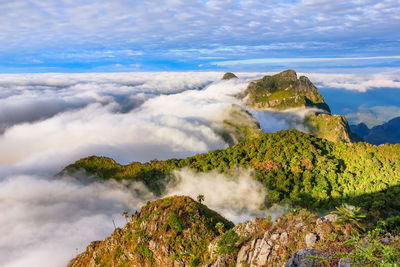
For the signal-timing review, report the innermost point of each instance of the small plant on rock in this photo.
(349, 216)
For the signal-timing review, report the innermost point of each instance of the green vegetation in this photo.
(175, 223)
(279, 95)
(371, 251)
(174, 228)
(226, 245)
(200, 198)
(349, 216)
(297, 168)
(331, 127)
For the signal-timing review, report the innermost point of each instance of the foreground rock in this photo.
(304, 258)
(286, 241)
(178, 231)
(173, 231)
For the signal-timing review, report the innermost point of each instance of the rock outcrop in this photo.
(228, 76)
(283, 91)
(173, 231)
(331, 127)
(285, 240)
(238, 125)
(304, 258)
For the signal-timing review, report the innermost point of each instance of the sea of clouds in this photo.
(48, 121)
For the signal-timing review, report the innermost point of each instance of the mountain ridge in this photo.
(388, 132)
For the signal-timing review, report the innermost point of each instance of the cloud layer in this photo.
(373, 116)
(356, 82)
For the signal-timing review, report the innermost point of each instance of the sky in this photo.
(180, 35)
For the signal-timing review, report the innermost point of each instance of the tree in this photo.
(200, 198)
(350, 216)
(125, 215)
(220, 227)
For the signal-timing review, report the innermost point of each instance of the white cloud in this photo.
(57, 118)
(238, 197)
(373, 116)
(131, 25)
(297, 60)
(45, 222)
(357, 82)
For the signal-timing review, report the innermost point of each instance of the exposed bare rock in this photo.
(310, 240)
(303, 258)
(238, 125)
(344, 262)
(331, 127)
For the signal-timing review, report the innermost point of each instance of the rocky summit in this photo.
(283, 91)
(228, 76)
(173, 231)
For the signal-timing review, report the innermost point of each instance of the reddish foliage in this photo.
(268, 165)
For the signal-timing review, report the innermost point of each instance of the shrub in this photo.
(175, 223)
(226, 244)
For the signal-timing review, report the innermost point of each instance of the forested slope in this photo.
(295, 167)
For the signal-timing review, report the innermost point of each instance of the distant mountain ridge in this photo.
(388, 132)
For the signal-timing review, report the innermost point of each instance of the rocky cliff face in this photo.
(238, 125)
(282, 91)
(331, 127)
(267, 243)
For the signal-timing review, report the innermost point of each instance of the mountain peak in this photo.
(283, 91)
(228, 76)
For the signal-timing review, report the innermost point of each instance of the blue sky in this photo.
(156, 35)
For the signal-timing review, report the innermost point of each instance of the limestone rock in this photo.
(344, 262)
(303, 258)
(310, 240)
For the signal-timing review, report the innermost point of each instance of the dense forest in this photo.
(295, 167)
